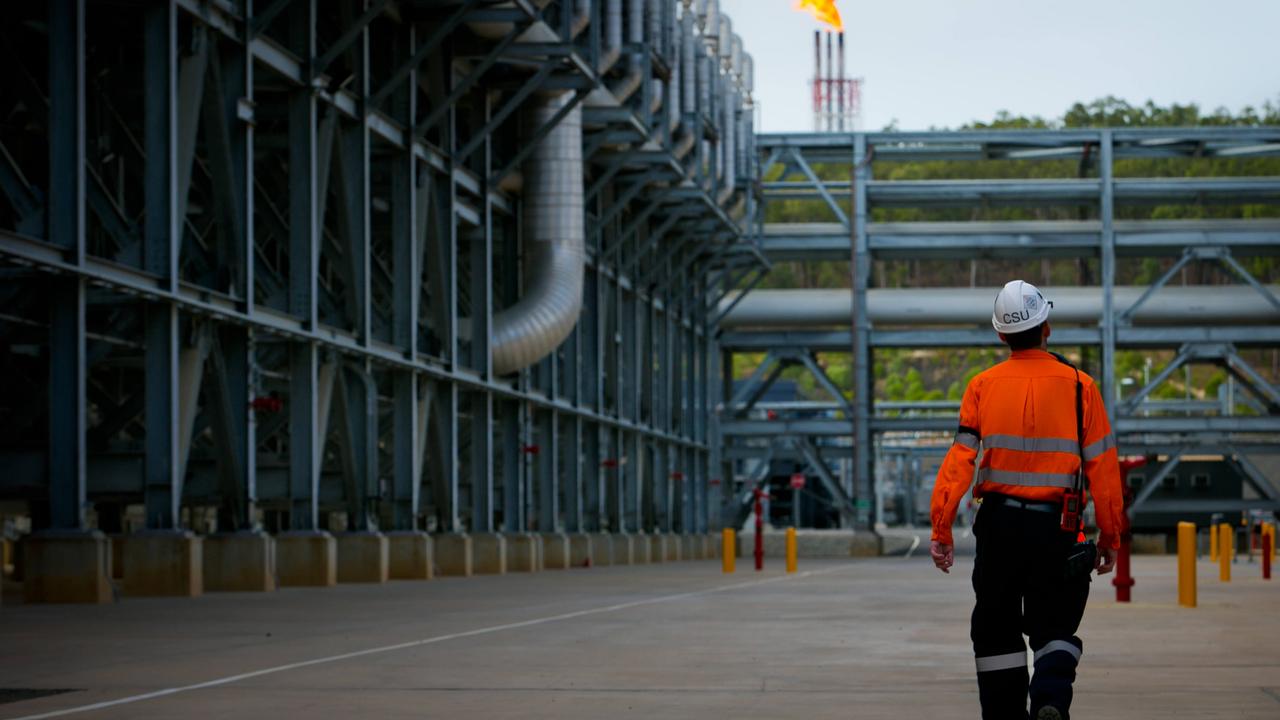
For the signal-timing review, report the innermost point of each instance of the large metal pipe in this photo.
(552, 214)
(1194, 305)
(627, 86)
(612, 49)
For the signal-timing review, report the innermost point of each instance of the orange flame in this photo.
(823, 10)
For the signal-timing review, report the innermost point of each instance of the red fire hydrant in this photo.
(1123, 580)
(760, 496)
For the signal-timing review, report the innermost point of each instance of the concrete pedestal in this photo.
(363, 557)
(657, 548)
(693, 549)
(523, 552)
(673, 548)
(580, 551)
(164, 564)
(488, 554)
(453, 554)
(555, 551)
(307, 558)
(67, 567)
(622, 549)
(411, 555)
(641, 549)
(865, 544)
(601, 549)
(240, 562)
(118, 543)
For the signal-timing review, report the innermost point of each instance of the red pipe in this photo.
(1123, 581)
(1266, 557)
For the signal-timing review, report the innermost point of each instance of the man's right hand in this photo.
(1106, 560)
(944, 555)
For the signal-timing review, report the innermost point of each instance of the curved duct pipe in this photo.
(653, 16)
(552, 214)
(729, 144)
(612, 36)
(735, 57)
(724, 41)
(581, 18)
(709, 14)
(627, 86)
(675, 86)
(1194, 305)
(748, 74)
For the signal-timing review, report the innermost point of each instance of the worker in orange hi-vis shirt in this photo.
(1047, 446)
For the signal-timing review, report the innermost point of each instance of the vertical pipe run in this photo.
(1187, 564)
(527, 331)
(817, 80)
(826, 80)
(841, 111)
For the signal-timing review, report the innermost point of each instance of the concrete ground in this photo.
(871, 638)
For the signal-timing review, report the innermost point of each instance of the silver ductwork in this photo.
(554, 237)
(1192, 305)
(627, 86)
(611, 49)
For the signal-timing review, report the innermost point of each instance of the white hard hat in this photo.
(1019, 306)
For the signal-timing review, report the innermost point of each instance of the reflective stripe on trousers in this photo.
(1007, 661)
(1058, 646)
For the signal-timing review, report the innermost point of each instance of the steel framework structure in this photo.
(253, 249)
(836, 171)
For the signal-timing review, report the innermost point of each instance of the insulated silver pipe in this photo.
(612, 35)
(688, 60)
(627, 87)
(581, 17)
(552, 214)
(1193, 305)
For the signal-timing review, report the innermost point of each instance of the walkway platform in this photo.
(864, 638)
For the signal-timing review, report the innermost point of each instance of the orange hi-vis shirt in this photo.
(1022, 413)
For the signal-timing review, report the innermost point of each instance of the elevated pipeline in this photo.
(1195, 305)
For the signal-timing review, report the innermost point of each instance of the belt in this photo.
(1023, 504)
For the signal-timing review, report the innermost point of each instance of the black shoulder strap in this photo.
(1080, 478)
(1078, 486)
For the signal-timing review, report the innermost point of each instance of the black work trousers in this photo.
(1022, 589)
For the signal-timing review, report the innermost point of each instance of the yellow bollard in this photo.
(1187, 564)
(1213, 544)
(1226, 551)
(728, 550)
(791, 549)
(1271, 531)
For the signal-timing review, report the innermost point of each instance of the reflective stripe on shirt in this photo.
(1093, 450)
(1026, 479)
(967, 440)
(1030, 444)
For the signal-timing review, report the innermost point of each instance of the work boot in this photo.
(1049, 712)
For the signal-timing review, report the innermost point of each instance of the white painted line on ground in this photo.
(416, 643)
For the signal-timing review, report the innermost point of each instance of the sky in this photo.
(944, 63)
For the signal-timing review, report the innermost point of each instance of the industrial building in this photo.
(309, 293)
